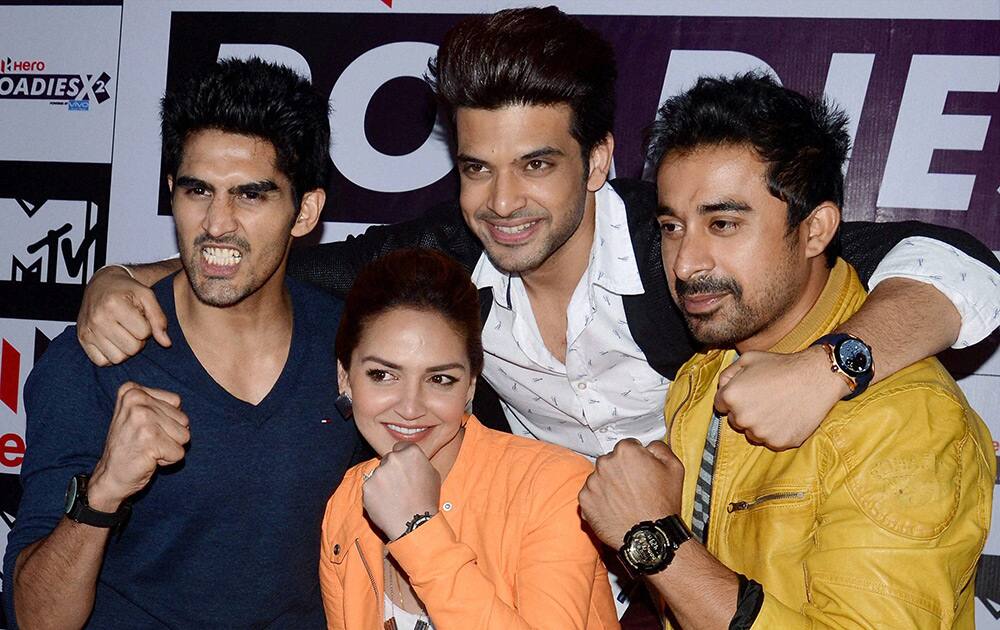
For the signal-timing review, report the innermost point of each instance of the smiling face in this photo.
(737, 273)
(526, 191)
(235, 215)
(410, 381)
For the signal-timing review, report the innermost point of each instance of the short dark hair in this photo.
(529, 56)
(256, 98)
(420, 279)
(803, 140)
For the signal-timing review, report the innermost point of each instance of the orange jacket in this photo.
(506, 550)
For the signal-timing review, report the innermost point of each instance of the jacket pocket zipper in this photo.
(371, 576)
(739, 506)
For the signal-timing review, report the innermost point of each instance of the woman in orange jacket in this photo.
(453, 525)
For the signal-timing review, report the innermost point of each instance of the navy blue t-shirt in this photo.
(228, 537)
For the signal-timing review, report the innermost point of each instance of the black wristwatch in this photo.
(650, 545)
(418, 520)
(851, 358)
(78, 510)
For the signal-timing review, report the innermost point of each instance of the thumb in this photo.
(154, 315)
(727, 374)
(661, 451)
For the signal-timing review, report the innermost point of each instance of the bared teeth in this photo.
(407, 430)
(516, 229)
(221, 256)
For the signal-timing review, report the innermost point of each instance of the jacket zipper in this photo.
(690, 390)
(739, 506)
(371, 576)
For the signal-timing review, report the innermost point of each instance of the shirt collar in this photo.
(612, 261)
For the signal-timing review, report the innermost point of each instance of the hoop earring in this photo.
(345, 406)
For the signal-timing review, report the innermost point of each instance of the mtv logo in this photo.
(50, 241)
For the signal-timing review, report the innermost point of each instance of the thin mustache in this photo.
(485, 215)
(707, 285)
(230, 239)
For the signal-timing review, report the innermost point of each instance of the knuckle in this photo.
(134, 396)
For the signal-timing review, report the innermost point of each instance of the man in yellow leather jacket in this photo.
(879, 518)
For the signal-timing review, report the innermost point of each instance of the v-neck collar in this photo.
(238, 409)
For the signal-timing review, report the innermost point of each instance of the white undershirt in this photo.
(404, 620)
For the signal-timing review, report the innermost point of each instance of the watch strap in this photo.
(676, 530)
(81, 512)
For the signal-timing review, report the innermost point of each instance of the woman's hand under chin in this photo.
(404, 484)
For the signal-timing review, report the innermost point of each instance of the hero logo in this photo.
(23, 65)
(23, 80)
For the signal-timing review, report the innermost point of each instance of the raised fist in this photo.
(148, 429)
(404, 484)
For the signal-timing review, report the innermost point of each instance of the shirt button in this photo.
(336, 550)
(447, 506)
(581, 386)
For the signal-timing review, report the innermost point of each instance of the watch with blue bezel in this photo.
(851, 358)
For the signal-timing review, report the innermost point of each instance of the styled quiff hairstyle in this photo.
(803, 140)
(254, 98)
(529, 56)
(419, 279)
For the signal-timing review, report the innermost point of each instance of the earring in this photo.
(345, 406)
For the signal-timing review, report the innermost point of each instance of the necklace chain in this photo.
(392, 584)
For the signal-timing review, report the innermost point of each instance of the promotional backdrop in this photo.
(81, 182)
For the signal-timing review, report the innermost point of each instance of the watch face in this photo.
(648, 548)
(855, 357)
(70, 494)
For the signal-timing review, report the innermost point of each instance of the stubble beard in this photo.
(218, 292)
(513, 263)
(746, 316)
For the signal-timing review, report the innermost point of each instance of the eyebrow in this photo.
(186, 181)
(262, 186)
(543, 152)
(726, 205)
(433, 368)
(532, 155)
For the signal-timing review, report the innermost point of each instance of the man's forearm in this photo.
(699, 590)
(150, 273)
(55, 578)
(904, 321)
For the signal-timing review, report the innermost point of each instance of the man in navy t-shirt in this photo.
(198, 470)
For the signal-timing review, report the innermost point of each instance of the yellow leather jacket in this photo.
(876, 521)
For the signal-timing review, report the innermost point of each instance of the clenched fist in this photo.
(630, 484)
(148, 430)
(779, 400)
(404, 484)
(116, 317)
